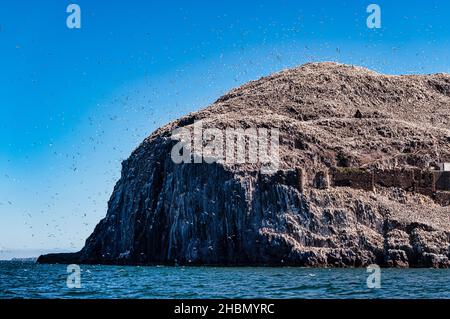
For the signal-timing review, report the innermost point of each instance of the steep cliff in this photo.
(329, 116)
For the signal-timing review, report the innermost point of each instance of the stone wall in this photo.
(421, 181)
(353, 177)
(321, 180)
(416, 180)
(301, 174)
(435, 184)
(402, 178)
(424, 182)
(442, 181)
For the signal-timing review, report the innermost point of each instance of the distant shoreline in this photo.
(22, 254)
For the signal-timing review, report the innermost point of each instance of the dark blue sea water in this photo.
(30, 280)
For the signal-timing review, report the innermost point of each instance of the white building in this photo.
(444, 167)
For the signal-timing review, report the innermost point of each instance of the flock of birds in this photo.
(113, 129)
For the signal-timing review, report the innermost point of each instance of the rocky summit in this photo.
(361, 180)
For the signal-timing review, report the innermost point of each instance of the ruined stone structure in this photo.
(442, 181)
(435, 184)
(354, 178)
(402, 178)
(321, 180)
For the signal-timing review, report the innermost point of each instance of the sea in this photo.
(30, 280)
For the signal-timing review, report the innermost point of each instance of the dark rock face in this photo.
(217, 214)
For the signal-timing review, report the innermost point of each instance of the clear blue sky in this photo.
(74, 103)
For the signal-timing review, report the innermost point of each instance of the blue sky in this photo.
(75, 103)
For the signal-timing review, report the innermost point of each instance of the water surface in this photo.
(30, 280)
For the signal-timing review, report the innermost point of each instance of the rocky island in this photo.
(362, 179)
